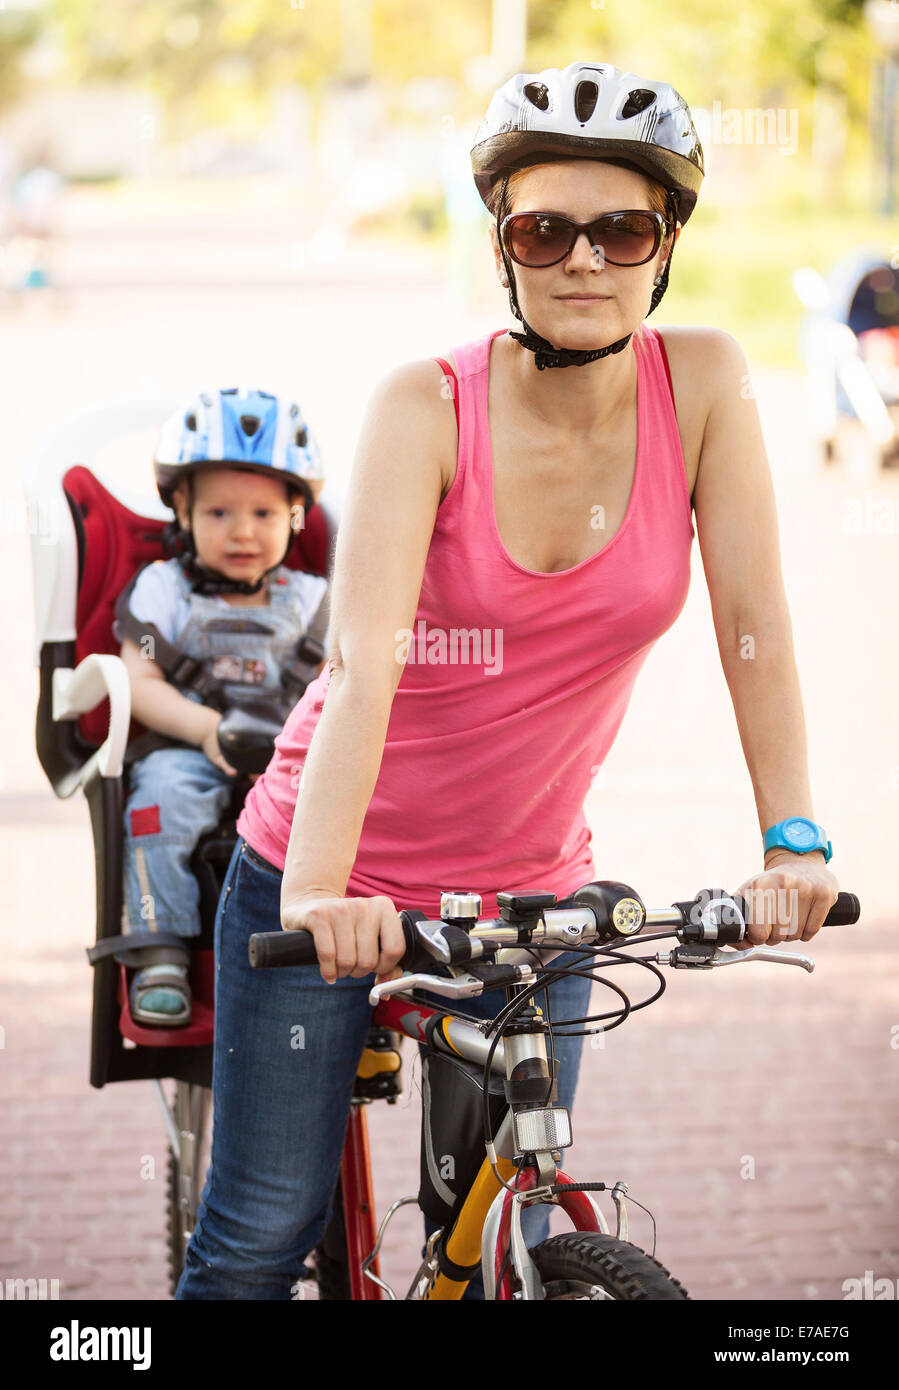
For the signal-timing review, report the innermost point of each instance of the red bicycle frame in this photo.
(409, 1018)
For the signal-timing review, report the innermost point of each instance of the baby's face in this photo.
(240, 521)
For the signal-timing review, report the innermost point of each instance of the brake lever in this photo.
(705, 957)
(465, 985)
(462, 987)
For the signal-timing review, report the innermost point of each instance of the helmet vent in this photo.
(302, 438)
(190, 421)
(537, 94)
(249, 424)
(638, 101)
(585, 98)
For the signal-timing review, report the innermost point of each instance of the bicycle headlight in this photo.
(628, 916)
(618, 910)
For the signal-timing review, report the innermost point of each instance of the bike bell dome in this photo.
(241, 428)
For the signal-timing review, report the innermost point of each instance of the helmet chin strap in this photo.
(545, 354)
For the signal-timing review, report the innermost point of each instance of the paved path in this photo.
(753, 1111)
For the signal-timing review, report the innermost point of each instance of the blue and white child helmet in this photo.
(243, 428)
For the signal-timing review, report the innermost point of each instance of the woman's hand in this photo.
(353, 936)
(210, 744)
(790, 899)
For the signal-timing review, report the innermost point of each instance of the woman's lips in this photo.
(583, 298)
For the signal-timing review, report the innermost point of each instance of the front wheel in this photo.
(587, 1265)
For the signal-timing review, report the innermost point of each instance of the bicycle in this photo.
(523, 1131)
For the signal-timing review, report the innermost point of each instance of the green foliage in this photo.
(18, 31)
(732, 268)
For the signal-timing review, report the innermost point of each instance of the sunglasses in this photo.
(539, 239)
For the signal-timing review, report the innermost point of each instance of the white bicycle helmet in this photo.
(242, 428)
(584, 110)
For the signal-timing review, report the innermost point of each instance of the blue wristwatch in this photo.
(799, 835)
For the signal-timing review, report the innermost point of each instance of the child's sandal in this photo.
(160, 995)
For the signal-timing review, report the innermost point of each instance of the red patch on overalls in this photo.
(145, 821)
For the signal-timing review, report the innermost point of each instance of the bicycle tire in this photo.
(175, 1242)
(588, 1265)
(177, 1220)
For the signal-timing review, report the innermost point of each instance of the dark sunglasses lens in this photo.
(538, 240)
(627, 238)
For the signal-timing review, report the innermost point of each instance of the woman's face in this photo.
(613, 300)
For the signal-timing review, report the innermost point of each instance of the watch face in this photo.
(800, 833)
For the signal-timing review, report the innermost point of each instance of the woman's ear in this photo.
(670, 242)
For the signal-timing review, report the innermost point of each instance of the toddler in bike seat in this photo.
(223, 629)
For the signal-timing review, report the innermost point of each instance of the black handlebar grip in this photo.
(844, 912)
(268, 949)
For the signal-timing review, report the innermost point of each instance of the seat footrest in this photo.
(198, 1033)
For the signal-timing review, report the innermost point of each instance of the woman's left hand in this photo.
(789, 899)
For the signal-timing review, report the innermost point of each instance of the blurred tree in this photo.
(18, 30)
(197, 54)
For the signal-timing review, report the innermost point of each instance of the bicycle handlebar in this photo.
(712, 916)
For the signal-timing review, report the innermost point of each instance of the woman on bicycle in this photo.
(498, 583)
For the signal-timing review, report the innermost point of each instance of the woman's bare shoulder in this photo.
(418, 394)
(412, 378)
(703, 362)
(696, 346)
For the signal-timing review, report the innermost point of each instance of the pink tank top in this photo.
(515, 682)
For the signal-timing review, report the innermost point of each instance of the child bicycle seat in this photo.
(100, 535)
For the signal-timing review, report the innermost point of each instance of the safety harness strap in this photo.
(130, 949)
(187, 673)
(178, 668)
(309, 653)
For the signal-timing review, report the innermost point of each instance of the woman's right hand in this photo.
(353, 936)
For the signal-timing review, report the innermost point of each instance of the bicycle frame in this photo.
(485, 1233)
(485, 1227)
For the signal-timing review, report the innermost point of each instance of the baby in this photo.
(225, 623)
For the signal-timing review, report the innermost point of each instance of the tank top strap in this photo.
(653, 345)
(469, 385)
(661, 418)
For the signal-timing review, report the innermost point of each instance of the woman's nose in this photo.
(586, 254)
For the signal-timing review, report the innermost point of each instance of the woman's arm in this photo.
(737, 528)
(406, 449)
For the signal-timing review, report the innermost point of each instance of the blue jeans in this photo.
(287, 1046)
(175, 796)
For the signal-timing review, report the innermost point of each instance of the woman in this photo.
(555, 525)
